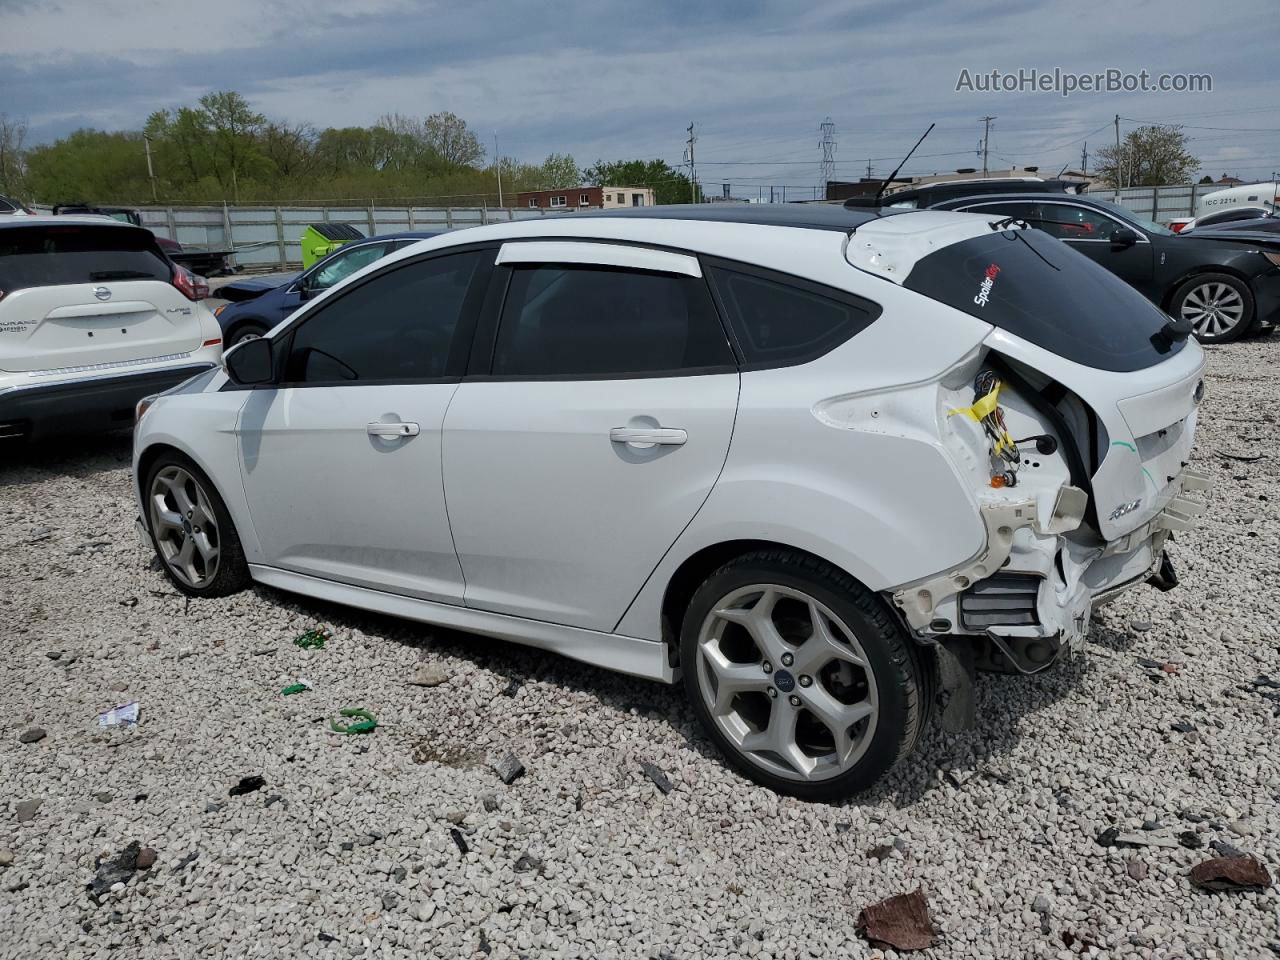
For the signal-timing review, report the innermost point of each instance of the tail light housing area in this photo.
(192, 287)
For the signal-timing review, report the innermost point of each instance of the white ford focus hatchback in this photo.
(816, 463)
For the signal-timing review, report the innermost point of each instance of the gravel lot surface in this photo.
(353, 846)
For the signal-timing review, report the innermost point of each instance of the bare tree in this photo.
(13, 156)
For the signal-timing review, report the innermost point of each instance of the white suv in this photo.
(816, 462)
(93, 317)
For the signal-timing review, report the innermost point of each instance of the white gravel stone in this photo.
(716, 868)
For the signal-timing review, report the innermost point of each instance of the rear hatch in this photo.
(1062, 317)
(79, 295)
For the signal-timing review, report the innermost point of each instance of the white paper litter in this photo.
(124, 715)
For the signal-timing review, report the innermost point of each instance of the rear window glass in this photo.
(48, 256)
(1038, 288)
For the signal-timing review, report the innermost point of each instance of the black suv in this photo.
(1225, 286)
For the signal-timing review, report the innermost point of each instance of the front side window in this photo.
(587, 321)
(398, 326)
(1050, 294)
(1075, 223)
(781, 320)
(346, 263)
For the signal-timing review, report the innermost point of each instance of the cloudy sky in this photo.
(603, 79)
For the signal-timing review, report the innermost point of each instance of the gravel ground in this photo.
(349, 848)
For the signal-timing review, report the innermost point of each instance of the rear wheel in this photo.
(191, 530)
(1218, 305)
(800, 675)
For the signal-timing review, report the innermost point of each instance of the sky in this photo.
(600, 79)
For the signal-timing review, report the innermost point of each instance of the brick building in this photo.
(573, 198)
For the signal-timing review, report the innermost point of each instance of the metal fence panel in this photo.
(268, 238)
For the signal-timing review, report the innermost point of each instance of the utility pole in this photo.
(1117, 170)
(868, 168)
(986, 140)
(151, 174)
(497, 165)
(828, 144)
(693, 170)
(1084, 157)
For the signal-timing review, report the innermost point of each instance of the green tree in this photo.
(451, 139)
(233, 127)
(669, 185)
(89, 166)
(1147, 157)
(559, 171)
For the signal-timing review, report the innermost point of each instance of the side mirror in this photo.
(249, 363)
(1123, 237)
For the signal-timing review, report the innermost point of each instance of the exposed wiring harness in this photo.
(986, 411)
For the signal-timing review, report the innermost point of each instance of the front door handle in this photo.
(378, 429)
(648, 435)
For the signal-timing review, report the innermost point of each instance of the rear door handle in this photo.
(651, 435)
(378, 429)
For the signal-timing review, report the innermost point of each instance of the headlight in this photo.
(143, 406)
(1273, 257)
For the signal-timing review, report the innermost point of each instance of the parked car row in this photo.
(812, 463)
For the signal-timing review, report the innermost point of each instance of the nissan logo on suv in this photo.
(102, 293)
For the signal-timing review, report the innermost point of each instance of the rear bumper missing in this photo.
(89, 405)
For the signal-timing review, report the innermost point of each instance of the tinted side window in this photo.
(782, 320)
(397, 326)
(580, 321)
(1074, 223)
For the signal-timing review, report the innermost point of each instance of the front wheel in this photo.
(801, 676)
(246, 332)
(192, 531)
(1218, 305)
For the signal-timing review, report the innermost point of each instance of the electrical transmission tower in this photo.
(828, 144)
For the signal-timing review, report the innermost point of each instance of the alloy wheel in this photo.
(185, 526)
(1213, 308)
(786, 681)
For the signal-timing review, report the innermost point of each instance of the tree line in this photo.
(222, 150)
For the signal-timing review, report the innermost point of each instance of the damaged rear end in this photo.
(1072, 427)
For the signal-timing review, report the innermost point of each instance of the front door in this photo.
(593, 434)
(1091, 232)
(341, 461)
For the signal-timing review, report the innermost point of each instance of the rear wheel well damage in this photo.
(696, 568)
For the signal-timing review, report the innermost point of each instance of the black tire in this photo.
(231, 574)
(1230, 292)
(247, 330)
(903, 672)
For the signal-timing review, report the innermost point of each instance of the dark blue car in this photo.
(259, 303)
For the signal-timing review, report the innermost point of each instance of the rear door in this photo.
(74, 295)
(593, 429)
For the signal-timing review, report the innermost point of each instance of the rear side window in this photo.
(1039, 289)
(780, 320)
(583, 321)
(396, 327)
(47, 256)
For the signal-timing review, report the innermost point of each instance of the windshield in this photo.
(1126, 214)
(1038, 288)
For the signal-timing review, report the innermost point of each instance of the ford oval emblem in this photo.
(102, 293)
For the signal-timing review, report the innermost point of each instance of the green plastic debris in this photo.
(313, 639)
(293, 688)
(366, 724)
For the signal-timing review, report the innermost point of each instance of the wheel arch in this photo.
(237, 323)
(699, 565)
(1166, 300)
